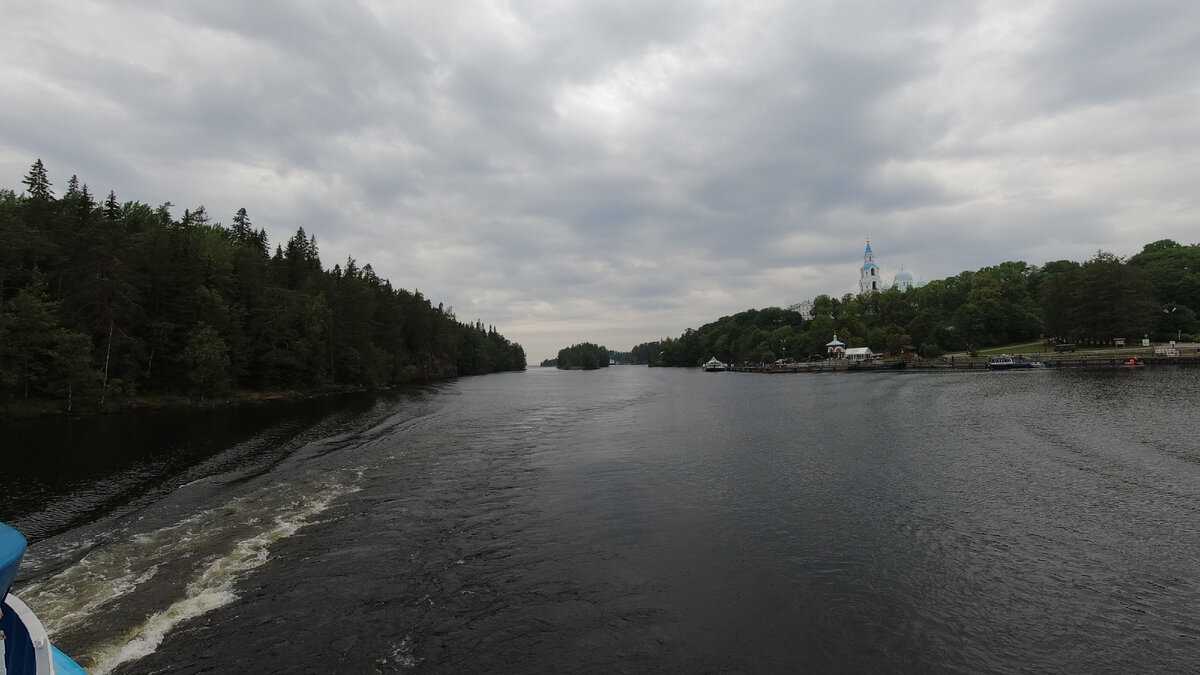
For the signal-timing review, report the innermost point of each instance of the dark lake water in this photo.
(630, 520)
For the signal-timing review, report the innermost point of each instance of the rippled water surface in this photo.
(634, 520)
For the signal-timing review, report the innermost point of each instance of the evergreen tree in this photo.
(26, 338)
(37, 183)
(207, 358)
(21, 248)
(241, 230)
(38, 356)
(112, 208)
(38, 203)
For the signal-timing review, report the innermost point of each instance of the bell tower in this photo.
(869, 280)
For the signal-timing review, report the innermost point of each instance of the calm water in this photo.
(632, 520)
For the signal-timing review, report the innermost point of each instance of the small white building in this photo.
(860, 354)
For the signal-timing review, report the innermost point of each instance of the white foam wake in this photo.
(212, 587)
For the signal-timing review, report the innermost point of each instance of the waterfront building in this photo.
(860, 354)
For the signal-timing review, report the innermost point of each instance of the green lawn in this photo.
(1021, 348)
(1040, 347)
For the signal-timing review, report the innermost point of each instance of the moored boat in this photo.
(1010, 362)
(25, 648)
(714, 366)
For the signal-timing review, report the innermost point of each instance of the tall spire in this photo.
(869, 280)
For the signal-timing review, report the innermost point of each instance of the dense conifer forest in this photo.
(101, 300)
(1154, 294)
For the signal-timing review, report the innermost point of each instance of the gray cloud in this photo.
(617, 172)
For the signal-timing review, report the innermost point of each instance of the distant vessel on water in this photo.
(714, 366)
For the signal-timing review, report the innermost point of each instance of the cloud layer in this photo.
(617, 172)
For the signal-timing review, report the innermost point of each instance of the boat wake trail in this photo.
(192, 567)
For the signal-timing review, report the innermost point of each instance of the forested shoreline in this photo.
(1154, 294)
(101, 301)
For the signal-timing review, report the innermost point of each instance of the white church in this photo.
(870, 279)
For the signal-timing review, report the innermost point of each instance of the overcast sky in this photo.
(618, 171)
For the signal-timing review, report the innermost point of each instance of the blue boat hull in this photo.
(26, 647)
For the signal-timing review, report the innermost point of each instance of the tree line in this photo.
(109, 298)
(1154, 294)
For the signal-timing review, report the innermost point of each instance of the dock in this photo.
(958, 363)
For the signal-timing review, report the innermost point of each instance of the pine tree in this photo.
(38, 200)
(38, 183)
(37, 355)
(242, 232)
(164, 214)
(112, 208)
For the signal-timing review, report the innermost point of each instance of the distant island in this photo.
(103, 303)
(585, 356)
(1153, 295)
(614, 358)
